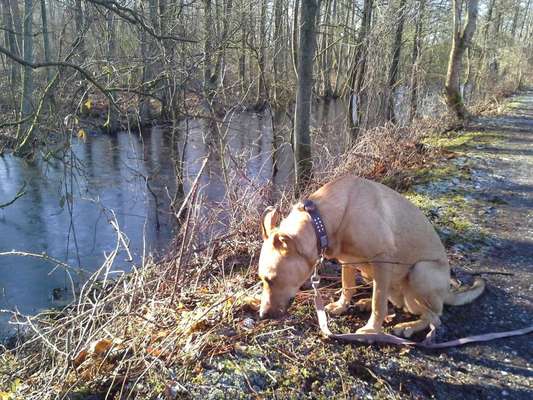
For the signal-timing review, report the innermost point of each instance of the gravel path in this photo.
(500, 190)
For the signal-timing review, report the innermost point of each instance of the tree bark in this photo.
(26, 106)
(261, 85)
(393, 71)
(416, 55)
(46, 40)
(17, 24)
(357, 96)
(304, 95)
(11, 42)
(80, 28)
(294, 41)
(460, 42)
(112, 123)
(325, 59)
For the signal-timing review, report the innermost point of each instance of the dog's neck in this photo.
(318, 225)
(299, 226)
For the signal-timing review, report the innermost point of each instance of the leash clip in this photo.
(315, 278)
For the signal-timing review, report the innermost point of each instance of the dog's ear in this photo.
(271, 219)
(282, 242)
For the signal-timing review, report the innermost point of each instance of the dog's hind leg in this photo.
(348, 289)
(364, 304)
(406, 329)
(424, 295)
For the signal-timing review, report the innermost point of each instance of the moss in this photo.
(457, 141)
(430, 174)
(452, 216)
(514, 105)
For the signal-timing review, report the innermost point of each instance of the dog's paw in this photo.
(365, 330)
(405, 330)
(364, 305)
(336, 308)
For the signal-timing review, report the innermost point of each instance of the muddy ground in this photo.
(481, 202)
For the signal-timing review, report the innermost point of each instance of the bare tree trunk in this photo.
(46, 40)
(261, 86)
(325, 59)
(278, 59)
(210, 69)
(11, 42)
(416, 55)
(524, 20)
(112, 124)
(26, 106)
(80, 28)
(357, 96)
(515, 19)
(342, 56)
(17, 24)
(460, 42)
(242, 58)
(393, 71)
(486, 49)
(294, 41)
(304, 95)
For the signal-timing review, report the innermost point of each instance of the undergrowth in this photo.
(187, 326)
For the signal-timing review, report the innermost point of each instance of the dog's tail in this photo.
(465, 294)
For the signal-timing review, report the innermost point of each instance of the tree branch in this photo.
(84, 73)
(133, 17)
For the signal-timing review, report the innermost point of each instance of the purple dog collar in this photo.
(320, 229)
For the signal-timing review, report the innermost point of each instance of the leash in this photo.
(369, 338)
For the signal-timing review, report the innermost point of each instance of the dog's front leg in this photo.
(348, 290)
(380, 295)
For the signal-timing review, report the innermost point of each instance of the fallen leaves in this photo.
(99, 357)
(12, 393)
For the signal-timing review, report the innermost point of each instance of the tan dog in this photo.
(365, 222)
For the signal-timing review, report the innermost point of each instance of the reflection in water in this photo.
(107, 175)
(107, 178)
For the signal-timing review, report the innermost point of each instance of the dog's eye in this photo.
(268, 281)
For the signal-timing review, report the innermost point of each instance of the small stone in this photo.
(248, 323)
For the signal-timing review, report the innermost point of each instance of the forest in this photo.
(116, 65)
(141, 141)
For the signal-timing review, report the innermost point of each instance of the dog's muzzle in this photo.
(274, 313)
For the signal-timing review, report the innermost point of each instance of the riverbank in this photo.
(187, 327)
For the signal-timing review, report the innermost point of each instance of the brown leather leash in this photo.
(427, 343)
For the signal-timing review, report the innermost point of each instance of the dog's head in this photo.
(282, 268)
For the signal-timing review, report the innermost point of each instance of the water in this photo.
(105, 176)
(108, 179)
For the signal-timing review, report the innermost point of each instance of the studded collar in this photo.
(318, 224)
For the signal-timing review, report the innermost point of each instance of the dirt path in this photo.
(481, 202)
(497, 190)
